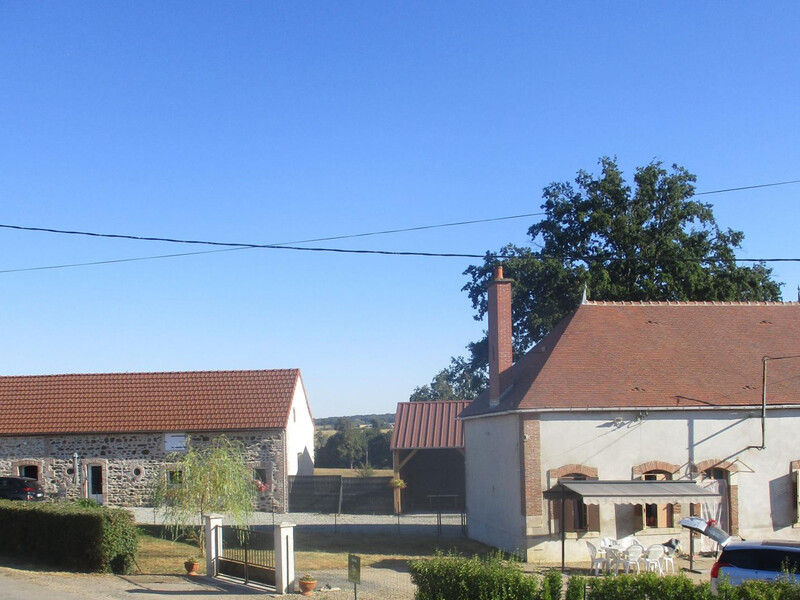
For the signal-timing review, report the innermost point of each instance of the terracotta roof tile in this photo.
(132, 402)
(659, 354)
(428, 425)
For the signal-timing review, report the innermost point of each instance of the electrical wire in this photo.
(230, 246)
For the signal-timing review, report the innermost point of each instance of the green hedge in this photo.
(675, 587)
(453, 577)
(80, 538)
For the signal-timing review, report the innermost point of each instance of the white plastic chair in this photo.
(652, 558)
(632, 557)
(598, 561)
(669, 558)
(607, 541)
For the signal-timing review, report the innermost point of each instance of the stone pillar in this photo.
(213, 526)
(284, 557)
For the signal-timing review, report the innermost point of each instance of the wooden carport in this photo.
(428, 453)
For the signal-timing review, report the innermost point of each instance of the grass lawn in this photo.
(161, 556)
(314, 551)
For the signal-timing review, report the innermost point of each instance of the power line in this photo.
(748, 187)
(230, 246)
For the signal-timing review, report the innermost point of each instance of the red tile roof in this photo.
(138, 402)
(428, 425)
(659, 354)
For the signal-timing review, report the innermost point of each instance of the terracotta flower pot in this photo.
(306, 586)
(191, 566)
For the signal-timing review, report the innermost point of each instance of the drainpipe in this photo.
(764, 398)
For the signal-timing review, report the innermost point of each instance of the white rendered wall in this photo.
(493, 483)
(300, 435)
(765, 488)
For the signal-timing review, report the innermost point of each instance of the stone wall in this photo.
(131, 461)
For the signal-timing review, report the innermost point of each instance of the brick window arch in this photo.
(553, 475)
(577, 515)
(656, 465)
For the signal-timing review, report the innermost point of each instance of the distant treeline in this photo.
(354, 446)
(384, 420)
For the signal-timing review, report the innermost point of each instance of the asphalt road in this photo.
(17, 584)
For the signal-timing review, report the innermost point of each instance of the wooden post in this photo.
(398, 507)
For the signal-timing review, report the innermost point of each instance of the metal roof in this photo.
(428, 425)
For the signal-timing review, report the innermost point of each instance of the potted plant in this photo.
(192, 564)
(397, 483)
(307, 584)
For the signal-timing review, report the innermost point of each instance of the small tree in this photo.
(213, 478)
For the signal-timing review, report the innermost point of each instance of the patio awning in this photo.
(606, 493)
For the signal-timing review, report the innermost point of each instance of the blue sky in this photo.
(267, 122)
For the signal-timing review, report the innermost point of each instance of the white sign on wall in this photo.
(175, 442)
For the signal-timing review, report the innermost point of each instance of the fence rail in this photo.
(336, 494)
(247, 554)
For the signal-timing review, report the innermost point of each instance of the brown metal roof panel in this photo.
(428, 425)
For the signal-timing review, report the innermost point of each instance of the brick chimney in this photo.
(500, 342)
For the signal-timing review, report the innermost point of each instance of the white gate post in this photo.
(213, 527)
(284, 557)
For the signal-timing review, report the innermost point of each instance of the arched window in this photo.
(658, 515)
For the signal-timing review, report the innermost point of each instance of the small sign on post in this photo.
(354, 572)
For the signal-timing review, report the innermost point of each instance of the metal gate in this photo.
(247, 554)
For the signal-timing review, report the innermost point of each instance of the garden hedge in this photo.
(454, 577)
(69, 535)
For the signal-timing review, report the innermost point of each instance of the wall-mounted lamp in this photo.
(75, 457)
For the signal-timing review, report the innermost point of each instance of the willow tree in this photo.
(201, 480)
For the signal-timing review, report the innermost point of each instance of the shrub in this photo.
(647, 585)
(70, 536)
(576, 587)
(453, 577)
(552, 585)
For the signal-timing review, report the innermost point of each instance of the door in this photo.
(96, 483)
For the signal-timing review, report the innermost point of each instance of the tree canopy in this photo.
(649, 241)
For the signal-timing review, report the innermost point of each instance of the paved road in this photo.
(17, 584)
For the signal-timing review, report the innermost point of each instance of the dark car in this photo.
(20, 488)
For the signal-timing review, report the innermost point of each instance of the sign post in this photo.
(354, 572)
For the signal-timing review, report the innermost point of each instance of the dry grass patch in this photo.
(162, 556)
(329, 551)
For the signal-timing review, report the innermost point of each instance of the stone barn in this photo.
(107, 436)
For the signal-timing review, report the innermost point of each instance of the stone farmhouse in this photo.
(706, 393)
(107, 436)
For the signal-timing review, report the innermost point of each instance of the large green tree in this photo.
(648, 241)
